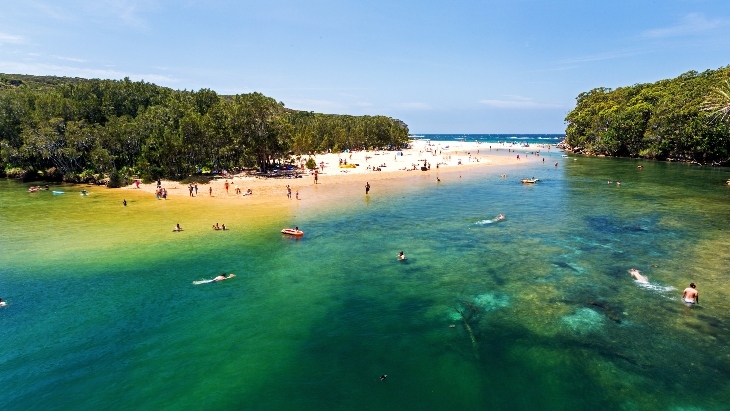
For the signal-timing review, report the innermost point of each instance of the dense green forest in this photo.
(87, 130)
(666, 120)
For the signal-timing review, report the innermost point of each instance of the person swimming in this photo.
(401, 256)
(223, 277)
(383, 377)
(2, 303)
(638, 277)
(691, 296)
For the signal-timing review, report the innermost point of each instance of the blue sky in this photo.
(501, 66)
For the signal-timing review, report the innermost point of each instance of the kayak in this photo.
(526, 181)
(292, 232)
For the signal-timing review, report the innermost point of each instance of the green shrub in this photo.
(311, 164)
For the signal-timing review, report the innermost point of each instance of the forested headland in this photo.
(676, 119)
(81, 130)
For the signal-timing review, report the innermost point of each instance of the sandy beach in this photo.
(441, 158)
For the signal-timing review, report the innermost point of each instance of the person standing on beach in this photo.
(288, 192)
(315, 176)
(297, 194)
(691, 296)
(210, 191)
(196, 189)
(367, 188)
(226, 186)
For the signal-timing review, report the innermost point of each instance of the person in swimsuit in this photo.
(177, 228)
(223, 277)
(638, 277)
(401, 256)
(2, 303)
(690, 295)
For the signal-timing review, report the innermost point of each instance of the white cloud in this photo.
(691, 24)
(70, 59)
(517, 102)
(414, 106)
(320, 106)
(41, 69)
(11, 39)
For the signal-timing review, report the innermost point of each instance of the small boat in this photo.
(292, 232)
(529, 181)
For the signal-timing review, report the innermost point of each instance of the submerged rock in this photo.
(584, 321)
(491, 301)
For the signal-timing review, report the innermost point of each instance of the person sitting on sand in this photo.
(638, 277)
(215, 226)
(401, 256)
(690, 295)
(223, 277)
(223, 227)
(177, 228)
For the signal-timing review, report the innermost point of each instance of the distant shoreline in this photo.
(450, 157)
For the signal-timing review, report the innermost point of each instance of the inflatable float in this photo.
(292, 232)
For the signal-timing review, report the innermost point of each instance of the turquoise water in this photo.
(102, 312)
(493, 138)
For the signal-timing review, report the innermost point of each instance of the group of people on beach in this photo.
(217, 227)
(193, 187)
(161, 193)
(288, 192)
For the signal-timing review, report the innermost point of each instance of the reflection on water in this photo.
(536, 312)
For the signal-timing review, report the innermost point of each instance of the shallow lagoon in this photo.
(103, 313)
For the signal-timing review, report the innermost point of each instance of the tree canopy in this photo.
(71, 128)
(663, 120)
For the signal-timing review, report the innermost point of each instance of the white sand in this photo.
(442, 156)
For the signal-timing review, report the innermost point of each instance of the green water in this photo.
(102, 312)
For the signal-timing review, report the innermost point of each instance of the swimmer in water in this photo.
(2, 303)
(223, 277)
(401, 256)
(638, 277)
(499, 218)
(691, 296)
(383, 377)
